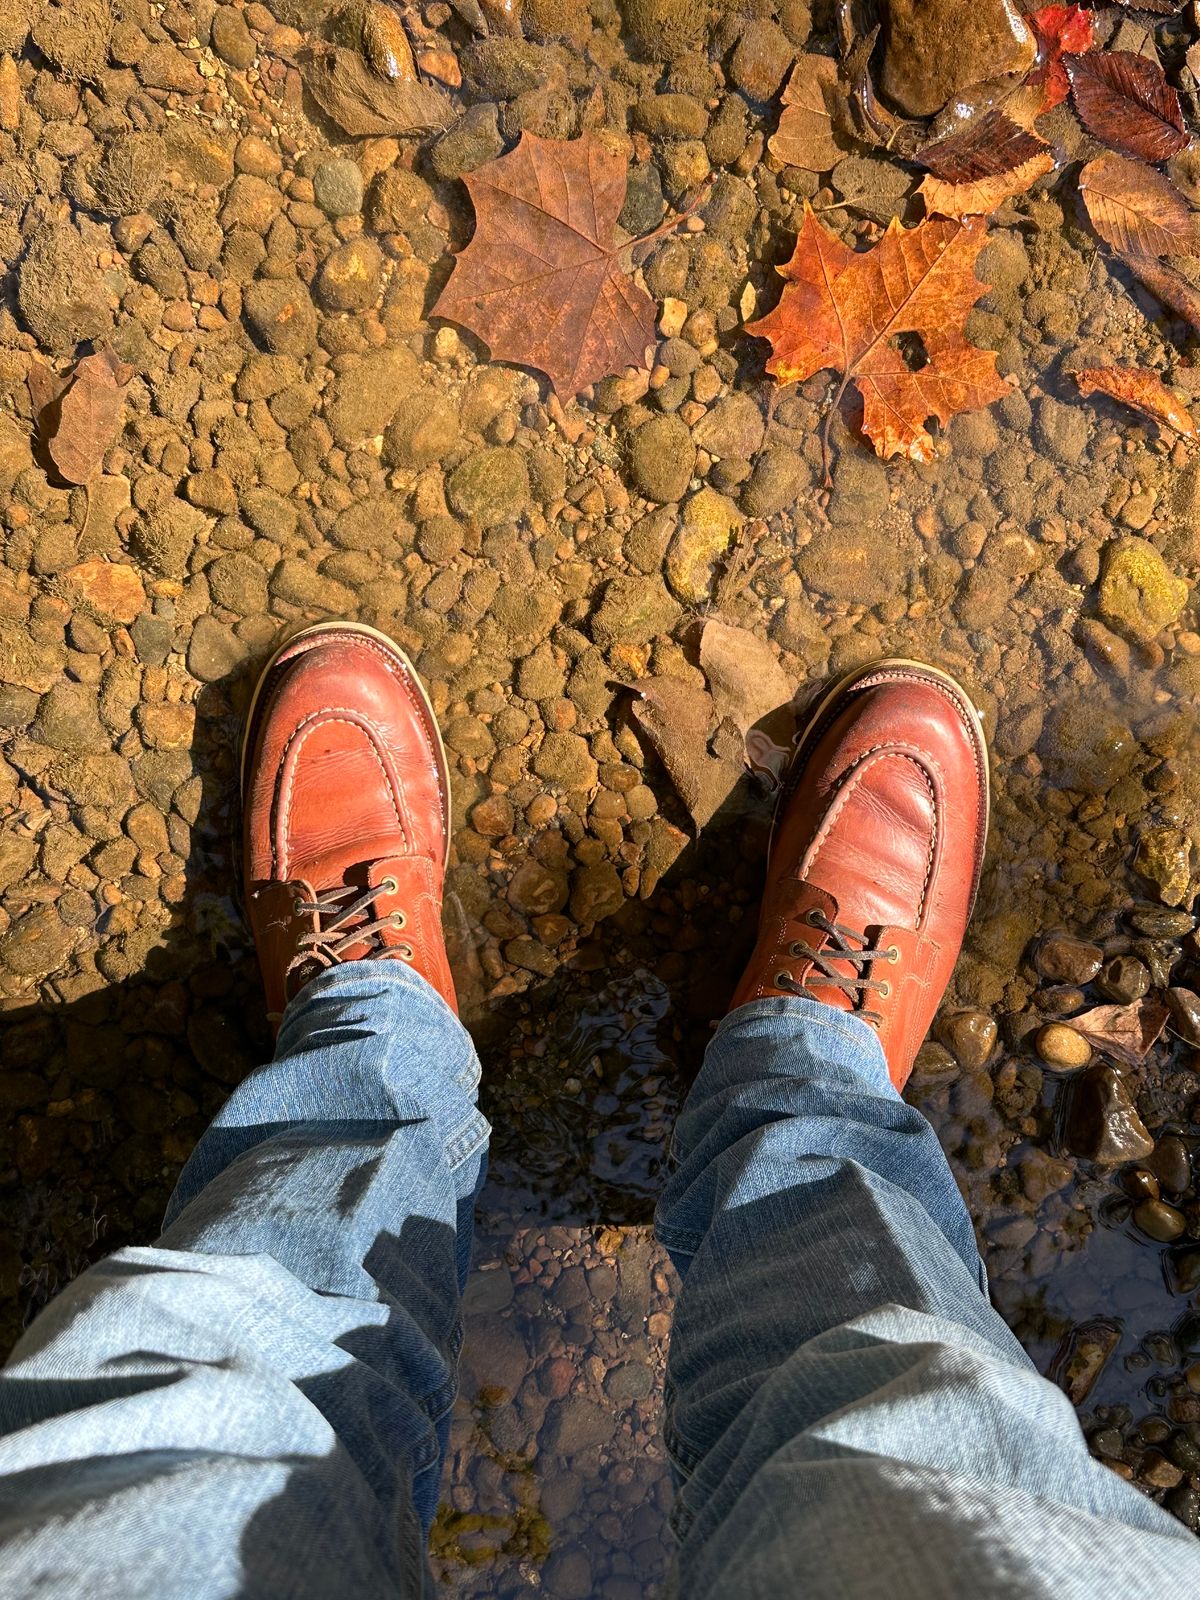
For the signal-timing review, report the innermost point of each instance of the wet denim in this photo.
(256, 1406)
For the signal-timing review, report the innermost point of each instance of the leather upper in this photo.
(345, 790)
(878, 848)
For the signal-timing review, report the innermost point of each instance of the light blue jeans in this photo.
(256, 1406)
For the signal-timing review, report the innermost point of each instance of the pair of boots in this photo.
(873, 868)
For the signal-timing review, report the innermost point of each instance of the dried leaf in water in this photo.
(385, 43)
(1061, 31)
(990, 145)
(978, 168)
(1123, 1032)
(844, 310)
(676, 718)
(744, 676)
(366, 105)
(541, 281)
(1167, 285)
(982, 196)
(1142, 391)
(1127, 103)
(1137, 210)
(81, 421)
(808, 136)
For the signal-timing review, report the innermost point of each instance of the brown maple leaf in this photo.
(1140, 390)
(1137, 210)
(1127, 103)
(541, 281)
(974, 170)
(79, 413)
(845, 309)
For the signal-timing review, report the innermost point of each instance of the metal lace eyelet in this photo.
(297, 908)
(398, 919)
(812, 916)
(893, 954)
(797, 949)
(389, 885)
(884, 990)
(405, 952)
(782, 979)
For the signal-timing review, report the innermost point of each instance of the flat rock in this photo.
(933, 48)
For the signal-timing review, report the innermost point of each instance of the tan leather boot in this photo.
(876, 855)
(345, 810)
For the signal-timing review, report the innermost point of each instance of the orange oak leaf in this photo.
(1142, 391)
(541, 281)
(1137, 210)
(845, 309)
(1061, 31)
(977, 168)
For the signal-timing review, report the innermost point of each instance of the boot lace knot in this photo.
(848, 946)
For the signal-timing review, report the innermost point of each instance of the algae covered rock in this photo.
(490, 486)
(703, 538)
(1139, 596)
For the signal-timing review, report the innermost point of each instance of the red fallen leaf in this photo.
(844, 309)
(1127, 102)
(541, 282)
(1140, 390)
(79, 418)
(1123, 1032)
(1061, 31)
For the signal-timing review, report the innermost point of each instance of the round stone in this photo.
(1062, 1048)
(338, 187)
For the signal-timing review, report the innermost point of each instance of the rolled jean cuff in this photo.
(854, 1042)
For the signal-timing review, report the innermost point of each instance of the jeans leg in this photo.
(257, 1406)
(848, 1416)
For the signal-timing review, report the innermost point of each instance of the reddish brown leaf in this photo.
(1061, 31)
(987, 162)
(541, 282)
(1123, 1032)
(981, 197)
(1169, 286)
(1127, 103)
(81, 416)
(843, 310)
(1136, 209)
(808, 135)
(1140, 390)
(989, 145)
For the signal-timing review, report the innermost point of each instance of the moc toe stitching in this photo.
(931, 775)
(290, 761)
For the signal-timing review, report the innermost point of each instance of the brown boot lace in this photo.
(822, 974)
(337, 931)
